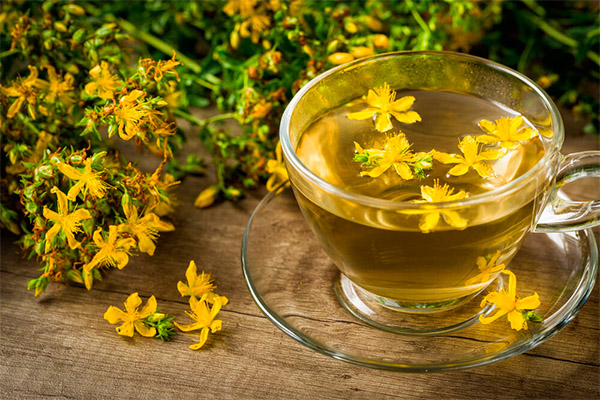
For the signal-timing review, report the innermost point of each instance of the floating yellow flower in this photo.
(472, 157)
(382, 104)
(68, 223)
(277, 170)
(130, 114)
(131, 317)
(88, 180)
(144, 229)
(205, 319)
(23, 90)
(57, 87)
(103, 82)
(112, 252)
(199, 285)
(486, 268)
(509, 304)
(396, 152)
(438, 194)
(506, 131)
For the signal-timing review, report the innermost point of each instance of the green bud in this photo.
(48, 45)
(45, 171)
(104, 30)
(31, 206)
(74, 275)
(79, 36)
(75, 158)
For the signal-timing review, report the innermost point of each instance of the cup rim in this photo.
(293, 161)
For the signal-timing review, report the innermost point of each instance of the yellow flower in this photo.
(244, 7)
(509, 304)
(505, 131)
(487, 268)
(156, 69)
(382, 104)
(144, 229)
(57, 88)
(131, 318)
(472, 158)
(254, 26)
(396, 152)
(68, 223)
(113, 252)
(277, 170)
(23, 90)
(88, 180)
(205, 319)
(103, 82)
(129, 114)
(438, 194)
(199, 285)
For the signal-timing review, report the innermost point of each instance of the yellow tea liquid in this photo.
(384, 251)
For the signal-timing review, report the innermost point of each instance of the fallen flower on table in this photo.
(204, 317)
(199, 285)
(518, 310)
(148, 322)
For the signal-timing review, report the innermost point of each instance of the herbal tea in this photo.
(422, 147)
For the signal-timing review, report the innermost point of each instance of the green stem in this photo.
(559, 36)
(8, 53)
(202, 122)
(417, 16)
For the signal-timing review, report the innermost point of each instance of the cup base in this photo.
(409, 318)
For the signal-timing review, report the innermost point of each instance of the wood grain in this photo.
(59, 345)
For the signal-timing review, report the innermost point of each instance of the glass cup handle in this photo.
(563, 215)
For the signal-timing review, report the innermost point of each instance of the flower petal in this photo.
(126, 329)
(184, 289)
(517, 321)
(408, 117)
(69, 171)
(484, 170)
(454, 219)
(143, 329)
(114, 315)
(403, 170)
(149, 308)
(121, 259)
(488, 320)
(203, 337)
(492, 154)
(189, 327)
(446, 158)
(459, 169)
(487, 139)
(191, 273)
(402, 104)
(429, 221)
(365, 114)
(487, 126)
(528, 303)
(132, 303)
(383, 122)
(512, 284)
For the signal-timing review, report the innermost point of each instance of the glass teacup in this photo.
(376, 243)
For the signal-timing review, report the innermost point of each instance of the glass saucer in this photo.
(294, 282)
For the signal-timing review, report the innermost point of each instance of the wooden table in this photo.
(59, 345)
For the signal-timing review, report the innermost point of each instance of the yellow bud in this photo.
(308, 50)
(332, 46)
(266, 44)
(373, 24)
(59, 26)
(206, 197)
(340, 58)
(75, 9)
(381, 41)
(234, 40)
(361, 51)
(350, 27)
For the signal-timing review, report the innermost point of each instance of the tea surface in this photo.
(389, 253)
